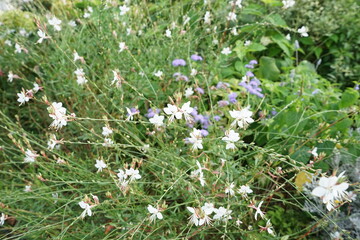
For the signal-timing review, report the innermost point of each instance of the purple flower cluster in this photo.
(178, 62)
(133, 111)
(253, 87)
(222, 85)
(199, 90)
(151, 113)
(180, 77)
(196, 57)
(251, 64)
(223, 103)
(203, 120)
(232, 97)
(217, 118)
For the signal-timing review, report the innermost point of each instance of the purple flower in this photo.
(273, 112)
(315, 91)
(223, 103)
(232, 97)
(253, 62)
(217, 118)
(151, 113)
(253, 87)
(250, 74)
(199, 90)
(178, 62)
(204, 132)
(179, 77)
(133, 111)
(356, 87)
(196, 57)
(222, 85)
(249, 66)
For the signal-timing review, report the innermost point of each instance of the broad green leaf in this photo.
(268, 68)
(255, 47)
(277, 20)
(348, 98)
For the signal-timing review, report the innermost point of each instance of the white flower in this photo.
(288, 37)
(30, 156)
(230, 138)
(18, 48)
(22, 98)
(123, 9)
(177, 112)
(158, 74)
(222, 214)
(198, 173)
(196, 139)
(58, 113)
(122, 46)
(208, 208)
(23, 33)
(303, 31)
(207, 18)
(193, 72)
(226, 51)
(55, 22)
(52, 142)
(121, 175)
(117, 78)
(130, 114)
(157, 120)
(186, 19)
(314, 152)
(87, 209)
(2, 219)
(288, 3)
(42, 36)
(132, 174)
(189, 92)
(231, 16)
(78, 57)
(230, 189)
(72, 23)
(268, 228)
(27, 188)
(247, 43)
(330, 191)
(36, 88)
(155, 213)
(242, 117)
(234, 31)
(258, 211)
(244, 190)
(168, 33)
(80, 75)
(8, 42)
(12, 76)
(106, 131)
(108, 142)
(199, 216)
(100, 165)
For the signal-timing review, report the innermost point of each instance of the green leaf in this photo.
(254, 9)
(276, 20)
(239, 66)
(302, 155)
(268, 68)
(240, 50)
(281, 41)
(255, 47)
(348, 98)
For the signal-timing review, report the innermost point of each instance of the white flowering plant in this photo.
(171, 120)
